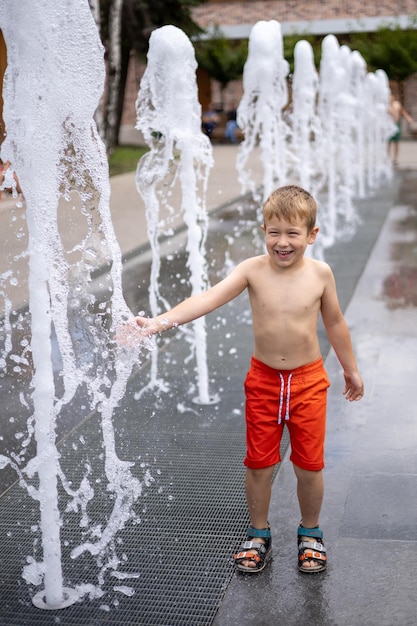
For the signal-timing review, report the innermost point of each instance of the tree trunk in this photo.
(99, 114)
(114, 68)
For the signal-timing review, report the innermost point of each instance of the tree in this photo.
(125, 27)
(222, 59)
(390, 49)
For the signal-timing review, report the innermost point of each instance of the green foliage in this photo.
(391, 49)
(141, 17)
(125, 159)
(223, 59)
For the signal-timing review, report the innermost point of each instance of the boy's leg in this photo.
(258, 486)
(310, 491)
(396, 151)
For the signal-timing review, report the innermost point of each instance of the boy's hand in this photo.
(144, 325)
(354, 388)
(134, 332)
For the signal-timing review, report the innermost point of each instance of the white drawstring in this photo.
(281, 398)
(287, 412)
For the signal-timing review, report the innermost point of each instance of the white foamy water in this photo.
(173, 175)
(260, 111)
(306, 129)
(331, 140)
(353, 145)
(53, 83)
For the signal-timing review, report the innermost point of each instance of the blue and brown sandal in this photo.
(256, 552)
(311, 550)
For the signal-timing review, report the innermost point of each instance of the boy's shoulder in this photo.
(253, 261)
(321, 268)
(319, 265)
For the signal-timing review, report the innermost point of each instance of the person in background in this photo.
(397, 112)
(210, 119)
(231, 129)
(8, 179)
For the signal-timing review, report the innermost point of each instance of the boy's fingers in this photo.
(130, 333)
(352, 394)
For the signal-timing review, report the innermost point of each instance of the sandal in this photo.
(259, 553)
(311, 548)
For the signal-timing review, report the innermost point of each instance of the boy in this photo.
(286, 382)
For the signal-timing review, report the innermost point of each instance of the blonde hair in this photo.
(289, 203)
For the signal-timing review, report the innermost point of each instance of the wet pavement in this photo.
(369, 515)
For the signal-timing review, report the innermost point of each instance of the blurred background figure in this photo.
(231, 129)
(9, 183)
(397, 112)
(210, 119)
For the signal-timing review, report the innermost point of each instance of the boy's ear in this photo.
(263, 227)
(312, 236)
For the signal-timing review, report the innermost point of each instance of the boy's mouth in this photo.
(284, 253)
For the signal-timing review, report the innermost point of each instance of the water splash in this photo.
(52, 86)
(380, 127)
(169, 116)
(260, 111)
(332, 140)
(305, 123)
(332, 79)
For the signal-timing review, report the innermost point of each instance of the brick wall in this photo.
(232, 13)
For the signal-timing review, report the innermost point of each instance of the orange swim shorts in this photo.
(296, 398)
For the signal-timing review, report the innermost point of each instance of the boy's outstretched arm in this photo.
(339, 336)
(197, 305)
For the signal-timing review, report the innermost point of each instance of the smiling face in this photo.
(289, 224)
(286, 242)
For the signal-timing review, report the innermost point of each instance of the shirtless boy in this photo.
(286, 382)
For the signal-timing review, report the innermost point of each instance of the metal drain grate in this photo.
(181, 551)
(193, 517)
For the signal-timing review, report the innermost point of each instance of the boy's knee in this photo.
(261, 473)
(307, 474)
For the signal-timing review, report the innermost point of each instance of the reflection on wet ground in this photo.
(399, 288)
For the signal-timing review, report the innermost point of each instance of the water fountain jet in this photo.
(169, 116)
(260, 111)
(52, 86)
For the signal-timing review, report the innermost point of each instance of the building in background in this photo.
(304, 17)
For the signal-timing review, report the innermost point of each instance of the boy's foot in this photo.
(254, 555)
(311, 551)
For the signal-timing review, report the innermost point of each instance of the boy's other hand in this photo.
(354, 388)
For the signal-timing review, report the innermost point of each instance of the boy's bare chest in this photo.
(289, 296)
